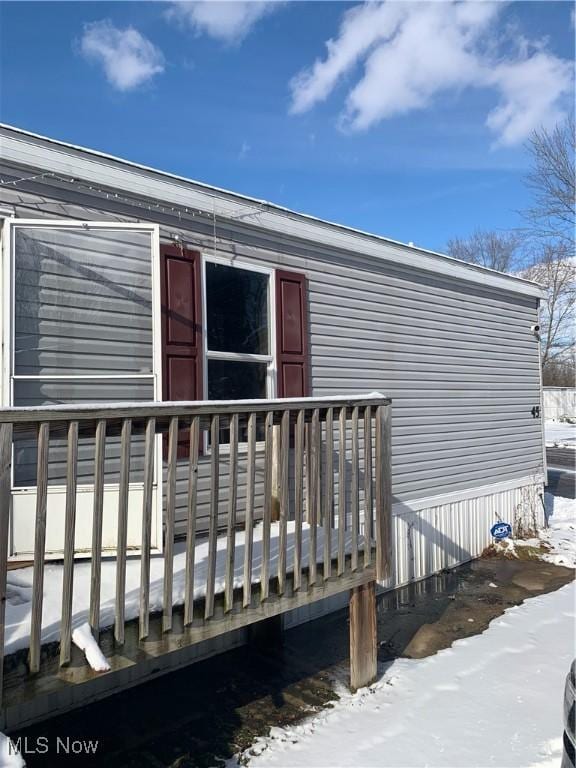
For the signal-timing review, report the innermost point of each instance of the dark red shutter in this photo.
(181, 328)
(292, 335)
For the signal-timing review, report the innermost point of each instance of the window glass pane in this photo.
(237, 310)
(233, 380)
(83, 301)
(38, 392)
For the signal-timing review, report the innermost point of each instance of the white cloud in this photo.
(533, 91)
(128, 58)
(411, 52)
(244, 150)
(229, 21)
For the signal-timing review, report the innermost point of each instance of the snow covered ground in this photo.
(491, 700)
(560, 435)
(561, 533)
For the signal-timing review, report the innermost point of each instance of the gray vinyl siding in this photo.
(462, 371)
(458, 359)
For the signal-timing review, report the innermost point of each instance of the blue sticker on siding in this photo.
(501, 530)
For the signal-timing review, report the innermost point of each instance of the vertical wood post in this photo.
(97, 519)
(363, 640)
(149, 443)
(383, 468)
(213, 522)
(231, 522)
(39, 547)
(284, 501)
(266, 518)
(191, 521)
(170, 518)
(69, 531)
(5, 500)
(124, 489)
(276, 472)
(298, 497)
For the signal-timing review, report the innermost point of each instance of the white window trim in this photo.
(7, 324)
(270, 359)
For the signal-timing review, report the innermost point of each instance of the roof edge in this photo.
(516, 284)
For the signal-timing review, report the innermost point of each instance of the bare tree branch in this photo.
(488, 248)
(555, 270)
(553, 182)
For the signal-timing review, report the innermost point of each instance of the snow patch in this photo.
(560, 435)
(9, 755)
(83, 638)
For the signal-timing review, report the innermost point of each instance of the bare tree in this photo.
(560, 373)
(553, 182)
(551, 218)
(488, 248)
(555, 271)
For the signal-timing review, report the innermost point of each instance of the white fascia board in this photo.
(38, 152)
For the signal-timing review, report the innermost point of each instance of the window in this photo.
(82, 323)
(239, 346)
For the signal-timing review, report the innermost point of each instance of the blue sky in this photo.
(411, 125)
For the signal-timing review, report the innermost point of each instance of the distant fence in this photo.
(559, 403)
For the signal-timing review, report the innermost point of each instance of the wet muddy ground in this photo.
(204, 714)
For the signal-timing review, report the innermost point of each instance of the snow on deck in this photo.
(19, 586)
(493, 699)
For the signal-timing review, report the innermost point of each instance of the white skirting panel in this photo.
(427, 540)
(443, 535)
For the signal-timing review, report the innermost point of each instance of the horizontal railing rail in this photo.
(324, 497)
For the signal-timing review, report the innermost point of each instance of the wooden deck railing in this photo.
(325, 465)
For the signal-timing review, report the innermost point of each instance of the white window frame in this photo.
(7, 322)
(269, 359)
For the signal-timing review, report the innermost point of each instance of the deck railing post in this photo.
(354, 489)
(383, 493)
(97, 518)
(170, 518)
(69, 539)
(341, 489)
(192, 508)
(275, 479)
(284, 501)
(149, 444)
(123, 491)
(363, 635)
(368, 511)
(214, 506)
(39, 547)
(249, 514)
(298, 496)
(267, 511)
(231, 523)
(328, 500)
(5, 500)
